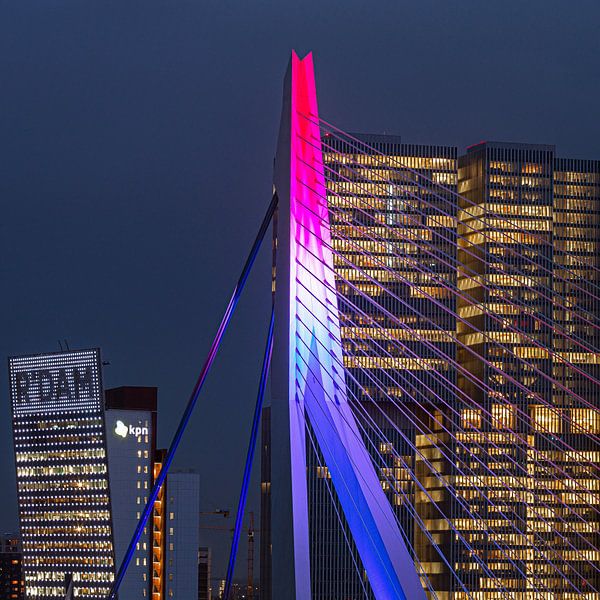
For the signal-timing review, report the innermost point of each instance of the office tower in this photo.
(12, 585)
(175, 533)
(554, 206)
(182, 518)
(405, 204)
(576, 218)
(576, 243)
(62, 473)
(390, 189)
(410, 206)
(548, 217)
(204, 573)
(131, 435)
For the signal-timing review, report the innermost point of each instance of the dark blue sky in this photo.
(136, 147)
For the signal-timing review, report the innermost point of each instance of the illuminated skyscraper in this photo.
(548, 217)
(62, 473)
(405, 212)
(131, 435)
(396, 186)
(548, 225)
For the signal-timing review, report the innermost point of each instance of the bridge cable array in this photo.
(514, 456)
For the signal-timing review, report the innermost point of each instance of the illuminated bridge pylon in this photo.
(436, 367)
(435, 370)
(308, 383)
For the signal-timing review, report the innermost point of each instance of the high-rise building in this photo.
(547, 226)
(12, 585)
(159, 532)
(383, 197)
(204, 573)
(165, 562)
(62, 473)
(554, 204)
(131, 435)
(408, 209)
(182, 525)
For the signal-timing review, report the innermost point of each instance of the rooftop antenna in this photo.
(61, 346)
(67, 346)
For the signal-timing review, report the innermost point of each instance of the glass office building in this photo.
(406, 207)
(541, 215)
(384, 197)
(131, 442)
(62, 474)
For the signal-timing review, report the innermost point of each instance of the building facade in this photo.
(204, 573)
(541, 214)
(385, 196)
(131, 435)
(406, 207)
(182, 521)
(12, 584)
(62, 473)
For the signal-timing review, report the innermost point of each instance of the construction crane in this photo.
(219, 511)
(250, 532)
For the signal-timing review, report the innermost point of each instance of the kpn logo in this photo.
(123, 430)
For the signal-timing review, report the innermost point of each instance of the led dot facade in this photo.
(62, 473)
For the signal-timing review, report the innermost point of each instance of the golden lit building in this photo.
(159, 524)
(392, 226)
(539, 214)
(398, 233)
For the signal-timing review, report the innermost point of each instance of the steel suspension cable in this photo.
(476, 381)
(194, 397)
(458, 266)
(468, 244)
(451, 434)
(459, 318)
(449, 386)
(401, 169)
(461, 266)
(494, 474)
(439, 352)
(358, 471)
(239, 519)
(449, 522)
(408, 505)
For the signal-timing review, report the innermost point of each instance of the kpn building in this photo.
(131, 442)
(84, 467)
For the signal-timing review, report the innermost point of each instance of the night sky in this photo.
(136, 149)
